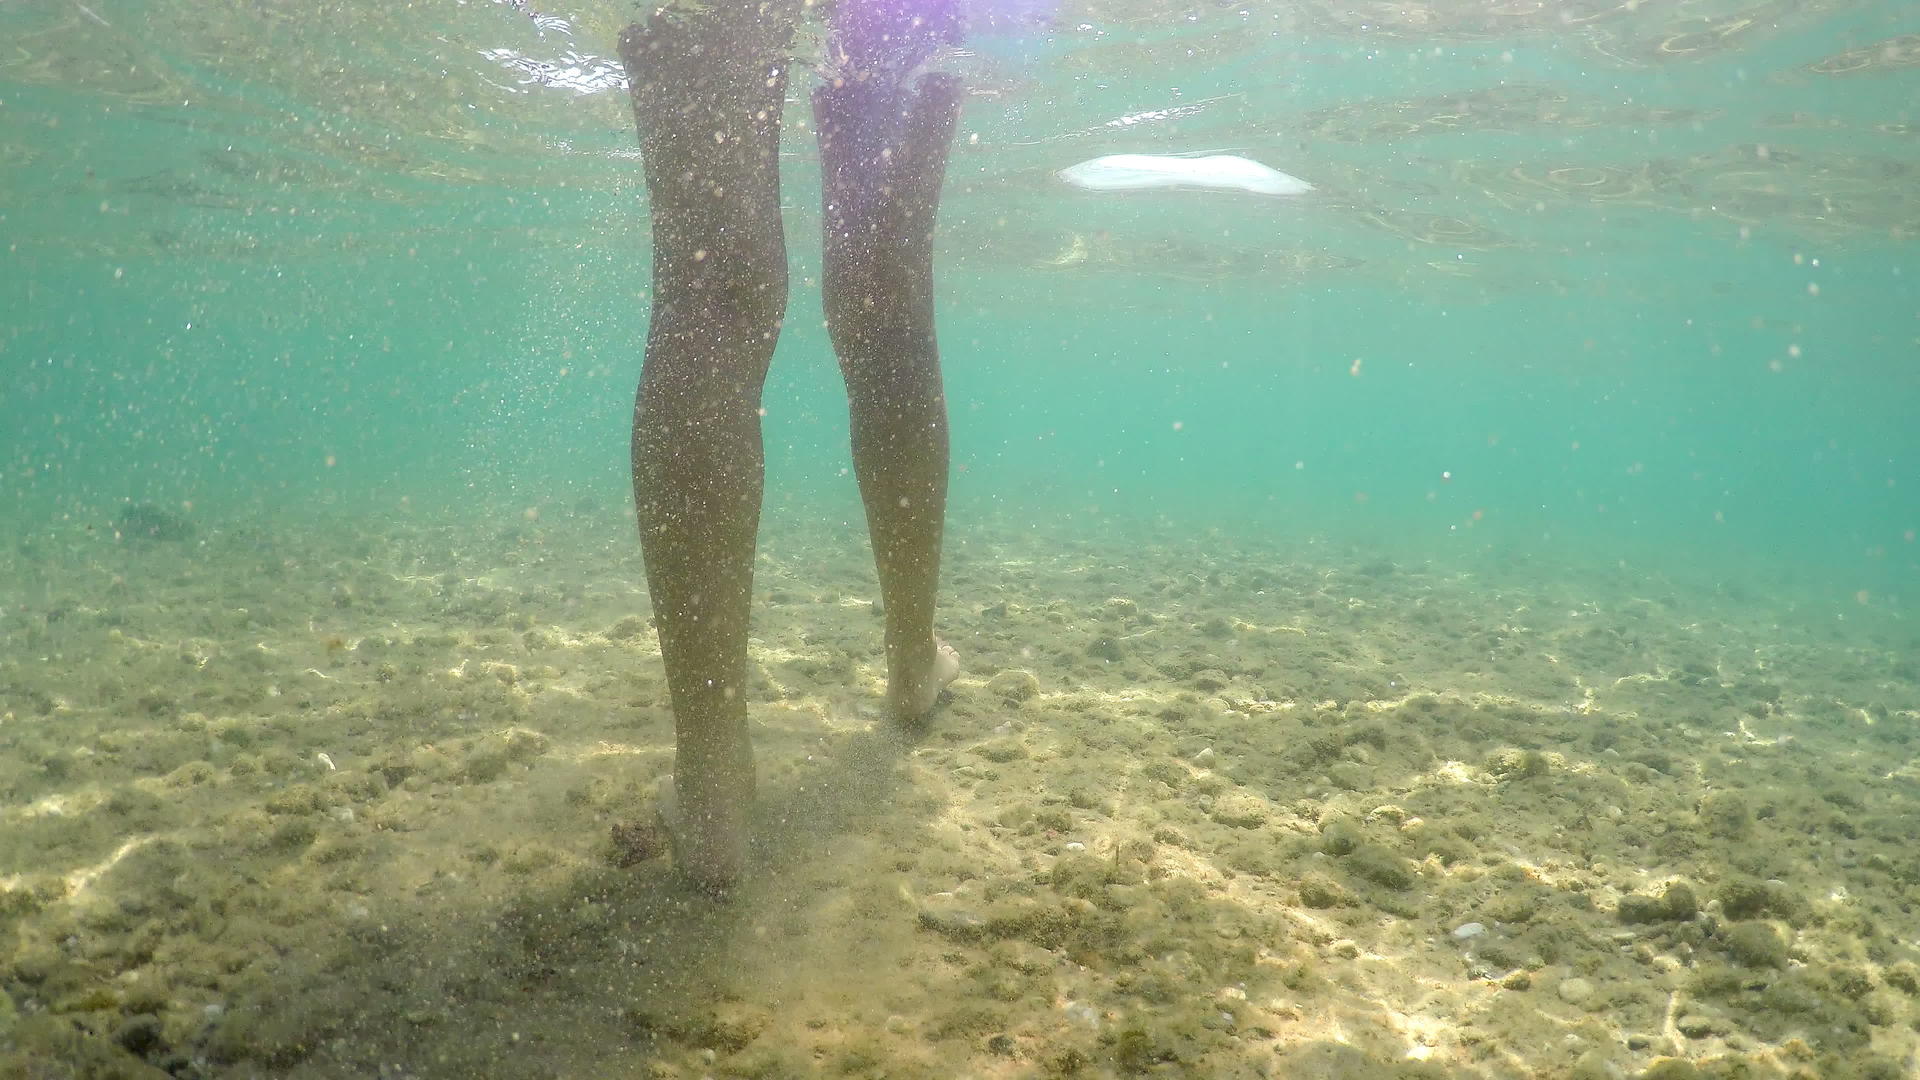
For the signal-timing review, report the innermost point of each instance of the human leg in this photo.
(707, 89)
(885, 132)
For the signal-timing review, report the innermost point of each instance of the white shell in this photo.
(1219, 172)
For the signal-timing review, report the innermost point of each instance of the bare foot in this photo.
(709, 849)
(916, 693)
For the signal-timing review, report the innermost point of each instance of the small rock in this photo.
(1468, 931)
(1593, 1065)
(627, 629)
(1676, 904)
(1207, 680)
(1681, 903)
(1350, 776)
(1081, 1013)
(1382, 867)
(1240, 810)
(952, 920)
(1642, 909)
(1320, 893)
(1014, 685)
(1575, 990)
(1694, 1025)
(1001, 751)
(1755, 945)
(1339, 836)
(1725, 813)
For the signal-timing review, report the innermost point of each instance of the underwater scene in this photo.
(1429, 543)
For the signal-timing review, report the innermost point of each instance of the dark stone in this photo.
(636, 842)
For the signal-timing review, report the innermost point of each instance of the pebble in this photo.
(1468, 931)
(1575, 990)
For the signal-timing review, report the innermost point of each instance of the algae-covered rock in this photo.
(1240, 810)
(522, 745)
(1084, 876)
(1321, 892)
(1002, 750)
(1745, 898)
(291, 835)
(1340, 836)
(1676, 904)
(1904, 976)
(1513, 764)
(485, 763)
(1724, 814)
(628, 628)
(46, 1042)
(1642, 909)
(1014, 685)
(1755, 944)
(1381, 866)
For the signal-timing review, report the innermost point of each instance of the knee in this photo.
(735, 302)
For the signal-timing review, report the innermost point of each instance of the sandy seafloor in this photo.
(297, 800)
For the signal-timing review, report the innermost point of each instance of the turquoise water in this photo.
(210, 298)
